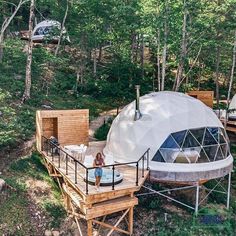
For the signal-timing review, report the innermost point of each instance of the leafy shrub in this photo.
(101, 132)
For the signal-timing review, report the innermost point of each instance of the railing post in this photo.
(47, 147)
(59, 158)
(86, 181)
(113, 177)
(52, 151)
(42, 148)
(143, 166)
(137, 174)
(66, 164)
(75, 172)
(148, 159)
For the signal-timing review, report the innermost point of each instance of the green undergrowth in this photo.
(49, 198)
(14, 217)
(52, 85)
(102, 131)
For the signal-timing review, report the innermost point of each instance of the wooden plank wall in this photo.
(206, 97)
(71, 126)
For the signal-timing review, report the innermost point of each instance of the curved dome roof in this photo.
(163, 113)
(48, 23)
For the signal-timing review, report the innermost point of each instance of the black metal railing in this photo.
(51, 149)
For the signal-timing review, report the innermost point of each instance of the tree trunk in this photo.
(232, 72)
(183, 53)
(142, 55)
(133, 41)
(6, 23)
(158, 61)
(217, 75)
(1, 47)
(26, 94)
(62, 28)
(100, 54)
(95, 62)
(164, 53)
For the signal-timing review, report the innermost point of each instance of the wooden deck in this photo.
(127, 186)
(81, 199)
(93, 204)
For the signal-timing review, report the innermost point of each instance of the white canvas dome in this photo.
(46, 28)
(232, 108)
(165, 117)
(232, 105)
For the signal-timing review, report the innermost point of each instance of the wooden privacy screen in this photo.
(68, 126)
(204, 96)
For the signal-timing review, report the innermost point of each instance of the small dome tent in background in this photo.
(232, 109)
(184, 136)
(48, 30)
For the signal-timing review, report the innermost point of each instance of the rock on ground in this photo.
(48, 233)
(55, 233)
(2, 184)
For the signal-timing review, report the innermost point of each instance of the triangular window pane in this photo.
(209, 139)
(203, 157)
(190, 141)
(169, 155)
(214, 132)
(158, 157)
(170, 143)
(211, 151)
(219, 155)
(179, 137)
(190, 154)
(198, 134)
(181, 158)
(225, 149)
(222, 138)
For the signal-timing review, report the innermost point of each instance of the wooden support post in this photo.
(131, 220)
(68, 203)
(117, 223)
(103, 220)
(89, 228)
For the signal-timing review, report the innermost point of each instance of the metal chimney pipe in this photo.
(138, 114)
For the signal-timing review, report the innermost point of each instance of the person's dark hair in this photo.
(98, 155)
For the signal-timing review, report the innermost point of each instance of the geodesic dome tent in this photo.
(49, 29)
(232, 108)
(185, 137)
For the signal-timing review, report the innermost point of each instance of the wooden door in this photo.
(50, 127)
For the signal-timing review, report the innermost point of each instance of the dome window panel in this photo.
(158, 157)
(222, 136)
(211, 151)
(190, 141)
(203, 158)
(179, 137)
(181, 158)
(219, 155)
(169, 155)
(198, 134)
(225, 149)
(190, 155)
(209, 139)
(214, 132)
(170, 143)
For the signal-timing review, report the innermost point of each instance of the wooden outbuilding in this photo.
(68, 126)
(206, 97)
